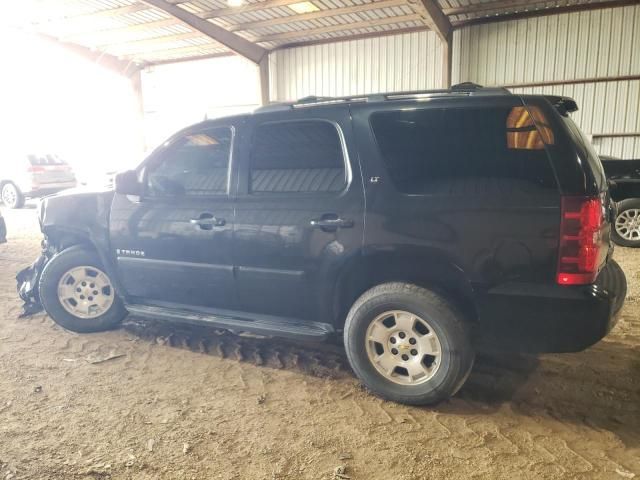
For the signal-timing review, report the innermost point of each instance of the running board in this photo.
(259, 324)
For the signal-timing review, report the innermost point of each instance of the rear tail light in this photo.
(35, 169)
(582, 246)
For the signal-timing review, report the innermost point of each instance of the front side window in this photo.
(195, 165)
(465, 150)
(296, 157)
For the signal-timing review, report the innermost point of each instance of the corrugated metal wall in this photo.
(409, 61)
(602, 44)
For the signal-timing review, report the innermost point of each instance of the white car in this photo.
(33, 175)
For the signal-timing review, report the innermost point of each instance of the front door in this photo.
(172, 245)
(299, 212)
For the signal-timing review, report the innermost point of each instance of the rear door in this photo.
(299, 212)
(173, 245)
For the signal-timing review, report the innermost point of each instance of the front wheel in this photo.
(77, 293)
(626, 231)
(11, 195)
(408, 344)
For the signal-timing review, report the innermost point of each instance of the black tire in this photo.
(612, 278)
(11, 195)
(448, 324)
(48, 288)
(627, 205)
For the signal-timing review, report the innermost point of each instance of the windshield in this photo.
(586, 152)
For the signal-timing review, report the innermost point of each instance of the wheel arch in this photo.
(60, 238)
(423, 267)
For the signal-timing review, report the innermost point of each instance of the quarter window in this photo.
(296, 157)
(194, 165)
(465, 151)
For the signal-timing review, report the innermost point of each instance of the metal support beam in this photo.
(447, 55)
(249, 7)
(230, 40)
(264, 80)
(136, 86)
(434, 17)
(523, 6)
(334, 12)
(121, 67)
(148, 55)
(123, 47)
(543, 12)
(491, 6)
(94, 36)
(310, 32)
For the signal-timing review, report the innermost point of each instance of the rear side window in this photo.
(296, 157)
(465, 150)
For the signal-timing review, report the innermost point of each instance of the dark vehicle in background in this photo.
(33, 175)
(418, 226)
(3, 229)
(624, 176)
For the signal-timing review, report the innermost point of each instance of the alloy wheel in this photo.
(628, 224)
(403, 347)
(85, 292)
(9, 195)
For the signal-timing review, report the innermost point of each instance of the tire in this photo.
(626, 229)
(105, 314)
(11, 195)
(612, 278)
(435, 316)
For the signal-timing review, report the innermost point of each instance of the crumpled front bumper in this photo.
(28, 280)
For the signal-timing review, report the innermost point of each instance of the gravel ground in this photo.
(155, 401)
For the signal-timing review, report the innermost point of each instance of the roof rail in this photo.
(466, 88)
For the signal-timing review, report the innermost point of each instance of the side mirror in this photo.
(127, 183)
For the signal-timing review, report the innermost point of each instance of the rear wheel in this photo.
(11, 195)
(408, 344)
(626, 231)
(78, 294)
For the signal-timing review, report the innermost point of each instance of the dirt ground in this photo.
(155, 401)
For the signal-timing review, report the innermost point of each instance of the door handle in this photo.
(205, 221)
(331, 223)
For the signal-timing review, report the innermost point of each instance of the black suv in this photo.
(418, 226)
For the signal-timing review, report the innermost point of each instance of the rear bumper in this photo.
(49, 188)
(3, 231)
(551, 318)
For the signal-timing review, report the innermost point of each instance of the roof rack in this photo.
(462, 89)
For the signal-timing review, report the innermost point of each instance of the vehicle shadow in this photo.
(599, 388)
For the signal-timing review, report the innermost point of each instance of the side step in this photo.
(259, 324)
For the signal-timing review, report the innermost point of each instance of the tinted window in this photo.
(464, 151)
(586, 152)
(296, 157)
(194, 165)
(37, 160)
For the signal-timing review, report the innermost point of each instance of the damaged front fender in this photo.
(69, 218)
